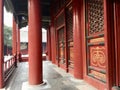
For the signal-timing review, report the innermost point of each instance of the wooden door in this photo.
(69, 29)
(60, 39)
(61, 46)
(95, 40)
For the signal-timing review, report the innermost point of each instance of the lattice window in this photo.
(60, 20)
(95, 16)
(69, 22)
(62, 3)
(61, 45)
(61, 35)
(69, 27)
(58, 4)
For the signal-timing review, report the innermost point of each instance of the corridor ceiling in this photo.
(19, 8)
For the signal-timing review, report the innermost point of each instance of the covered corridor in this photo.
(82, 39)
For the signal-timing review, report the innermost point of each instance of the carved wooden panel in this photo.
(59, 20)
(95, 16)
(96, 56)
(70, 55)
(58, 4)
(61, 46)
(69, 27)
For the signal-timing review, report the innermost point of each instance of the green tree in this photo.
(7, 36)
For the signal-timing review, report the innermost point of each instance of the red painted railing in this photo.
(9, 66)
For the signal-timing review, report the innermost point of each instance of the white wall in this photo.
(44, 35)
(24, 35)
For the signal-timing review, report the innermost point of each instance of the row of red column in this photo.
(48, 45)
(35, 42)
(15, 48)
(16, 41)
(14, 38)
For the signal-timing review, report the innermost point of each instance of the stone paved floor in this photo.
(55, 78)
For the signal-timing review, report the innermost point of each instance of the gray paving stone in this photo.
(56, 79)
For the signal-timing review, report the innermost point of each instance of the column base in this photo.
(115, 88)
(19, 57)
(2, 89)
(44, 85)
(16, 61)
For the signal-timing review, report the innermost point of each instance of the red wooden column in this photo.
(35, 42)
(14, 41)
(77, 39)
(117, 40)
(110, 43)
(18, 44)
(1, 45)
(49, 44)
(53, 43)
(14, 38)
(47, 48)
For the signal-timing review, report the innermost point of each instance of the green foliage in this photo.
(7, 36)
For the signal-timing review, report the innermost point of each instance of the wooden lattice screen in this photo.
(60, 20)
(61, 47)
(60, 39)
(95, 16)
(58, 4)
(96, 57)
(69, 27)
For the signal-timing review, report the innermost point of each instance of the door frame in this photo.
(109, 46)
(117, 40)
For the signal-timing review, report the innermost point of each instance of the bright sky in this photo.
(7, 18)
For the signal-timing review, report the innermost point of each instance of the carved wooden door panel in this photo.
(61, 46)
(60, 39)
(95, 44)
(69, 27)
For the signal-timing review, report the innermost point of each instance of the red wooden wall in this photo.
(98, 40)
